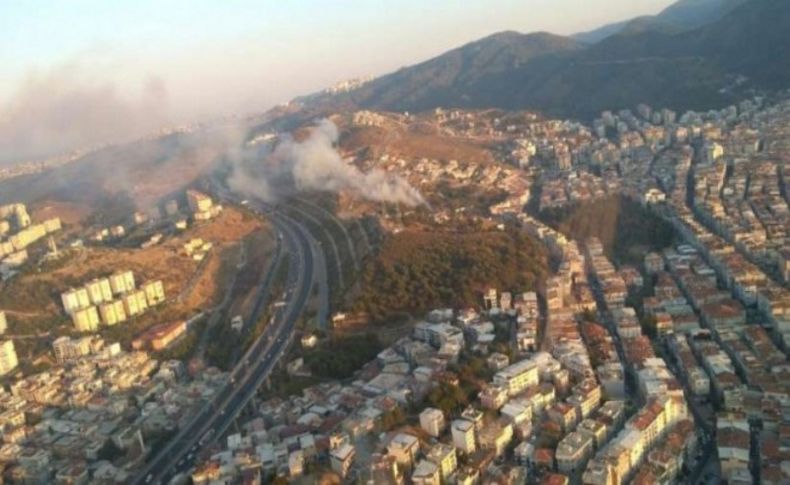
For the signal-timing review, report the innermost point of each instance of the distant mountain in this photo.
(691, 14)
(475, 74)
(558, 75)
(682, 15)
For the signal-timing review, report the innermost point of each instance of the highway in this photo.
(253, 368)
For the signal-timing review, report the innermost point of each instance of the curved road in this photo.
(254, 367)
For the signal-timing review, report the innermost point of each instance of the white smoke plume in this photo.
(315, 164)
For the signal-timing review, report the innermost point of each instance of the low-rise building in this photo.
(426, 473)
(160, 336)
(573, 451)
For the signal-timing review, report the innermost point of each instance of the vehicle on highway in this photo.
(206, 437)
(178, 479)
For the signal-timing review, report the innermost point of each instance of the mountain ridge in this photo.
(697, 69)
(681, 16)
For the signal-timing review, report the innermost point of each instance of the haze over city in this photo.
(90, 71)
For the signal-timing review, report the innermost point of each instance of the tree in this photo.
(392, 418)
(448, 398)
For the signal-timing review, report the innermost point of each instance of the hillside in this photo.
(682, 70)
(612, 221)
(417, 271)
(117, 179)
(476, 74)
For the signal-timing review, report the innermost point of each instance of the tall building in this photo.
(134, 303)
(341, 459)
(63, 348)
(443, 456)
(86, 320)
(432, 421)
(122, 282)
(99, 291)
(463, 433)
(404, 447)
(112, 312)
(154, 292)
(517, 377)
(8, 360)
(75, 299)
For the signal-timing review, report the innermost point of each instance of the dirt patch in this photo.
(414, 142)
(259, 250)
(36, 296)
(69, 212)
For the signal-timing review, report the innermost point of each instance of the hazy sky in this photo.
(180, 59)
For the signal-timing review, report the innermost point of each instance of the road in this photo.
(320, 226)
(254, 367)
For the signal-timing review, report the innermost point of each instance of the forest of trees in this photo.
(419, 271)
(340, 357)
(626, 229)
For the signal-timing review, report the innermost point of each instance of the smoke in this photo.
(64, 109)
(315, 164)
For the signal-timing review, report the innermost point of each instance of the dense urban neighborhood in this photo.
(667, 368)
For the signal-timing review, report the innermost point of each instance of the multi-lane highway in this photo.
(253, 368)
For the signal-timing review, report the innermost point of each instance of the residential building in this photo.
(443, 456)
(404, 447)
(86, 319)
(160, 336)
(112, 312)
(573, 451)
(154, 292)
(426, 473)
(463, 433)
(341, 459)
(8, 359)
(122, 282)
(432, 421)
(517, 377)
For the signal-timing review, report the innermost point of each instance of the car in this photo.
(149, 478)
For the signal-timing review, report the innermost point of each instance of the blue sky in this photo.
(211, 57)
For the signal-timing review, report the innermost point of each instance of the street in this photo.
(252, 369)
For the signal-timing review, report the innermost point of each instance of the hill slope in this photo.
(470, 75)
(685, 70)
